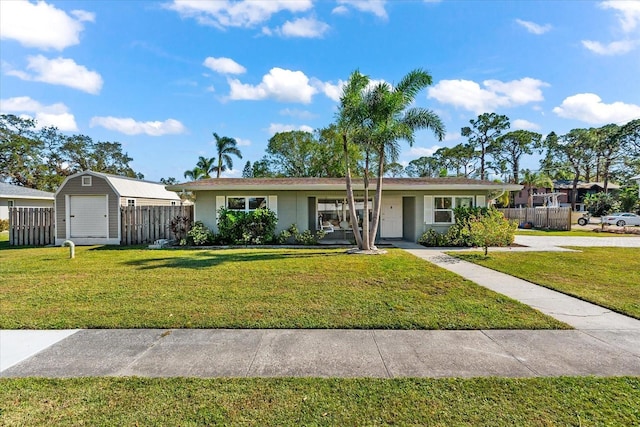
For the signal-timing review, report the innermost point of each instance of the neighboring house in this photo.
(410, 206)
(88, 205)
(22, 197)
(583, 188)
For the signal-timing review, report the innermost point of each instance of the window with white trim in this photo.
(10, 203)
(131, 202)
(246, 203)
(443, 207)
(86, 181)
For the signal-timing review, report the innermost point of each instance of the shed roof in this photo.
(133, 187)
(19, 192)
(448, 183)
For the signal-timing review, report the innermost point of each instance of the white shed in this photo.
(88, 205)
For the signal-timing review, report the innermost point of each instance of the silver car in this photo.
(621, 219)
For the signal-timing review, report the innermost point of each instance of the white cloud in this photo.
(243, 142)
(469, 95)
(224, 65)
(340, 10)
(304, 27)
(280, 85)
(130, 126)
(332, 91)
(279, 127)
(619, 47)
(41, 25)
(246, 13)
(524, 124)
(534, 28)
(589, 108)
(375, 7)
(45, 115)
(424, 151)
(628, 13)
(60, 71)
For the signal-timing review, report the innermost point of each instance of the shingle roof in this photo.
(338, 183)
(10, 190)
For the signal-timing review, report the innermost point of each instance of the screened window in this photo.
(246, 204)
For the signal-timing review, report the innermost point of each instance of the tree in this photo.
(225, 148)
(43, 158)
(426, 166)
(533, 180)
(377, 118)
(458, 158)
(482, 133)
(394, 170)
(510, 147)
(247, 171)
(195, 174)
(169, 181)
(291, 153)
(207, 166)
(608, 145)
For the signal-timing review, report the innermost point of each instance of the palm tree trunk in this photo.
(377, 204)
(350, 199)
(366, 243)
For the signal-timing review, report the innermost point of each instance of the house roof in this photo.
(564, 185)
(15, 191)
(132, 187)
(636, 177)
(449, 183)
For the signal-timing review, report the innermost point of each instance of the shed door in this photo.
(88, 216)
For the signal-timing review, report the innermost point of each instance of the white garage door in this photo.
(88, 216)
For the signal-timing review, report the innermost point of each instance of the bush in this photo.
(247, 228)
(180, 226)
(481, 227)
(4, 224)
(600, 204)
(200, 235)
(306, 238)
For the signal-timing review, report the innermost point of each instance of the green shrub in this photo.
(4, 224)
(200, 235)
(482, 227)
(600, 204)
(247, 228)
(306, 238)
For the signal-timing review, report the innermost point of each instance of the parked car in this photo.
(621, 219)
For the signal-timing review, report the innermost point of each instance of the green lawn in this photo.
(604, 276)
(583, 401)
(111, 287)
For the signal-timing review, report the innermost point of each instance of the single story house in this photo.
(410, 206)
(88, 205)
(22, 197)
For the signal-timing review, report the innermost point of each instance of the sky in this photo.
(161, 76)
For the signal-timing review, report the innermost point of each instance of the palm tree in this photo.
(533, 180)
(225, 147)
(207, 165)
(194, 174)
(377, 118)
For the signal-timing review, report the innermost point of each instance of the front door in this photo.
(391, 217)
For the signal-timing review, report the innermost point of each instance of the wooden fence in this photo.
(551, 218)
(31, 226)
(146, 224)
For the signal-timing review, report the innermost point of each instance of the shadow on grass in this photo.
(207, 259)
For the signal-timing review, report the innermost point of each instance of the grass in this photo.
(111, 287)
(584, 401)
(572, 233)
(604, 276)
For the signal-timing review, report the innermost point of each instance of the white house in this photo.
(22, 197)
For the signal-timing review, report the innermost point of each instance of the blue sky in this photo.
(160, 77)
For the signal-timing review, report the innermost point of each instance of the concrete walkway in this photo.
(603, 344)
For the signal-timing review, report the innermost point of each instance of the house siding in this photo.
(73, 187)
(293, 206)
(141, 201)
(21, 203)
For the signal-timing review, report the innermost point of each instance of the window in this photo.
(246, 204)
(173, 203)
(86, 181)
(131, 202)
(10, 203)
(336, 212)
(443, 207)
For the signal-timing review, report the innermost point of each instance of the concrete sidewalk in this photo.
(603, 344)
(335, 353)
